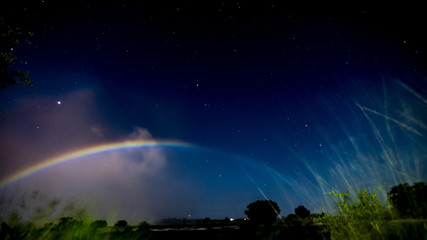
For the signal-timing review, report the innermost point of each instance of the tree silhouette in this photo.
(302, 212)
(68, 222)
(122, 226)
(98, 224)
(10, 38)
(121, 223)
(263, 211)
(409, 201)
(144, 230)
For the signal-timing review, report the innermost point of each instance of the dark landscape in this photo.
(360, 217)
(213, 120)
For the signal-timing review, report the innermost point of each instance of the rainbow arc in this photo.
(97, 149)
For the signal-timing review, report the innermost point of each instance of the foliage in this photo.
(10, 38)
(70, 228)
(121, 223)
(98, 224)
(263, 211)
(145, 230)
(359, 217)
(409, 201)
(302, 212)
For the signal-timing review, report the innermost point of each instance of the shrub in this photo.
(359, 217)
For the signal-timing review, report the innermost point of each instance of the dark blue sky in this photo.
(316, 93)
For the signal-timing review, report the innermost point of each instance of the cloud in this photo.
(120, 184)
(135, 184)
(38, 128)
(148, 161)
(124, 183)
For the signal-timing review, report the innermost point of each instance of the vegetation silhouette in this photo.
(121, 224)
(10, 38)
(263, 212)
(98, 224)
(361, 216)
(409, 201)
(302, 212)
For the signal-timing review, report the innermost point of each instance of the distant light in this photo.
(231, 219)
(59, 102)
(189, 215)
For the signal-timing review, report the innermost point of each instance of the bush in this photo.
(263, 212)
(360, 217)
(98, 224)
(121, 223)
(409, 201)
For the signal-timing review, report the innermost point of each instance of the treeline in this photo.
(70, 228)
(361, 216)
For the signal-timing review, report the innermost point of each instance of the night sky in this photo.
(280, 102)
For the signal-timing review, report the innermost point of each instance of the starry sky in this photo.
(280, 102)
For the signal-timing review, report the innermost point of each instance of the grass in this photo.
(363, 216)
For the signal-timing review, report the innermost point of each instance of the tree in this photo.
(98, 224)
(409, 201)
(68, 222)
(10, 38)
(121, 223)
(144, 230)
(302, 212)
(263, 211)
(293, 220)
